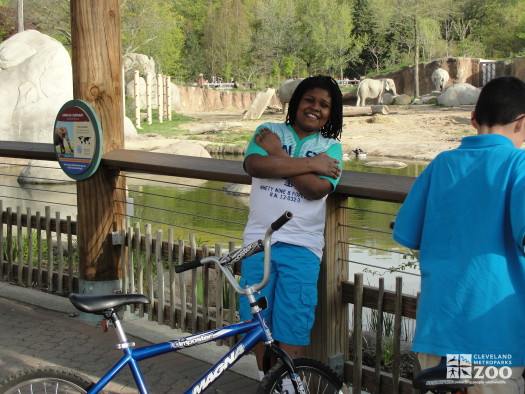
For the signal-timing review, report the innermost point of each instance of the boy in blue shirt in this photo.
(466, 215)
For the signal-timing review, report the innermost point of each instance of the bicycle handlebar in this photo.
(242, 253)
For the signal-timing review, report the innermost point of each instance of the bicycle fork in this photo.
(288, 362)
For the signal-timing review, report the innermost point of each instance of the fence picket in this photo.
(160, 278)
(182, 282)
(39, 249)
(205, 291)
(60, 254)
(131, 265)
(231, 302)
(69, 254)
(194, 277)
(29, 248)
(357, 333)
(124, 258)
(172, 276)
(140, 266)
(396, 367)
(19, 243)
(49, 239)
(149, 270)
(219, 286)
(9, 244)
(379, 335)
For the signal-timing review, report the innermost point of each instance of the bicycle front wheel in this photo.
(46, 380)
(317, 378)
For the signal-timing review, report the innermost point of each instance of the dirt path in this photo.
(407, 132)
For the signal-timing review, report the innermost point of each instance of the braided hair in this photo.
(334, 127)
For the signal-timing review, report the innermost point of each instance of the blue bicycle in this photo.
(307, 375)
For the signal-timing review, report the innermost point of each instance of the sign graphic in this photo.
(77, 137)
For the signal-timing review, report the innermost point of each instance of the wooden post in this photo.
(136, 85)
(168, 96)
(148, 98)
(97, 79)
(330, 331)
(160, 97)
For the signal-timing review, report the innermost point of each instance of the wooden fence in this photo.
(143, 253)
(158, 95)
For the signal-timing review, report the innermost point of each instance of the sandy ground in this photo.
(406, 132)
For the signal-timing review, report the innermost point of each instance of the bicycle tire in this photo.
(317, 378)
(45, 380)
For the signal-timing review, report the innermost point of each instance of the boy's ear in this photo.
(473, 120)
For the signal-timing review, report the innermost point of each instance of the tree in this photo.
(226, 38)
(412, 14)
(275, 33)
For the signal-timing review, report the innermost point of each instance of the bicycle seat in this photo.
(435, 379)
(99, 304)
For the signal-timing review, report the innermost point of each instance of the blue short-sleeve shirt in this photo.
(466, 215)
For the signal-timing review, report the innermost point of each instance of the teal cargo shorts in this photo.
(291, 291)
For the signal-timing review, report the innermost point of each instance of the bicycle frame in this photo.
(255, 330)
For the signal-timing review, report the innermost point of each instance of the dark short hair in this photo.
(500, 102)
(334, 127)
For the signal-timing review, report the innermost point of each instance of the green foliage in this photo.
(266, 41)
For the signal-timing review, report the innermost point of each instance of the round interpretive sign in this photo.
(77, 136)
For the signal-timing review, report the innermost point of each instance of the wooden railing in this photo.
(330, 333)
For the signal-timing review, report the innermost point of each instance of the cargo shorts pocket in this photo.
(309, 302)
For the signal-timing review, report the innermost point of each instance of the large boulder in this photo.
(185, 148)
(459, 94)
(36, 79)
(136, 61)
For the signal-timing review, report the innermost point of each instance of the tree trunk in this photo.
(416, 59)
(20, 16)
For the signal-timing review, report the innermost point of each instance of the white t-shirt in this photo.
(270, 198)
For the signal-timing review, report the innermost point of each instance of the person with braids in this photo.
(294, 166)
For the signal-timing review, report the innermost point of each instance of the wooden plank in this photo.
(396, 362)
(39, 249)
(383, 187)
(330, 331)
(160, 278)
(219, 302)
(29, 250)
(60, 256)
(49, 240)
(177, 165)
(205, 290)
(182, 282)
(70, 255)
(140, 266)
(172, 279)
(149, 270)
(194, 277)
(370, 299)
(357, 333)
(28, 150)
(9, 244)
(379, 333)
(19, 243)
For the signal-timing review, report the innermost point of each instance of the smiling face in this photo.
(313, 112)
